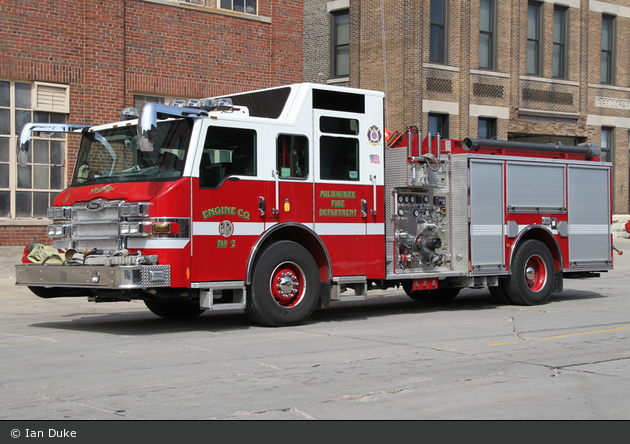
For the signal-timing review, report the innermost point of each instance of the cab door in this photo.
(226, 194)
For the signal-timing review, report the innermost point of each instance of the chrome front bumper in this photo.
(94, 276)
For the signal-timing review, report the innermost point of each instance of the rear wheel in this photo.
(498, 293)
(285, 285)
(532, 279)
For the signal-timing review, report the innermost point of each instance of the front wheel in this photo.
(533, 275)
(174, 308)
(285, 285)
(434, 295)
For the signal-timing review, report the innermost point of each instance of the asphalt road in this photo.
(387, 358)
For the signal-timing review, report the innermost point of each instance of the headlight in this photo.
(59, 213)
(134, 209)
(58, 230)
(135, 229)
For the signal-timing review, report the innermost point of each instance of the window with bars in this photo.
(27, 191)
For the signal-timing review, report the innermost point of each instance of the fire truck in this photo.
(283, 200)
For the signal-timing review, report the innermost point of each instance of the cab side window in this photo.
(339, 156)
(227, 152)
(292, 156)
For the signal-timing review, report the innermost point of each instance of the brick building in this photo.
(83, 62)
(542, 71)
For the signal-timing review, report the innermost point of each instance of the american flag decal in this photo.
(374, 158)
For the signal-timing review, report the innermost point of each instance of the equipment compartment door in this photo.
(487, 214)
(589, 216)
(343, 191)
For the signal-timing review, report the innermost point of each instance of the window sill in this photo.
(338, 80)
(611, 87)
(211, 10)
(545, 80)
(438, 66)
(24, 222)
(483, 72)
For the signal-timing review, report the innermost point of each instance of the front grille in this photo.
(101, 230)
(96, 225)
(106, 213)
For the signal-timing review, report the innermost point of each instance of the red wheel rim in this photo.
(535, 273)
(288, 284)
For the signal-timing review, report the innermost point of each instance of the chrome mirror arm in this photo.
(148, 117)
(24, 142)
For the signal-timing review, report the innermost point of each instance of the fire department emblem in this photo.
(374, 135)
(226, 228)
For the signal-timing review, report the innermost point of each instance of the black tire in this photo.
(434, 295)
(58, 292)
(532, 277)
(499, 295)
(174, 309)
(285, 285)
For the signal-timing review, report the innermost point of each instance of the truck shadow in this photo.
(144, 323)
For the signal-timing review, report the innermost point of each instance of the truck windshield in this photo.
(113, 155)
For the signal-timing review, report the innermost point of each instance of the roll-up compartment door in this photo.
(486, 215)
(589, 216)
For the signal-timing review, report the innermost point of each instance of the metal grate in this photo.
(488, 90)
(439, 85)
(555, 97)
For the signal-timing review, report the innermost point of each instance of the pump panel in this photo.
(421, 235)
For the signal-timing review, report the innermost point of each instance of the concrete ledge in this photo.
(9, 258)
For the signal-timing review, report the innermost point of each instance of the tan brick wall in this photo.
(535, 105)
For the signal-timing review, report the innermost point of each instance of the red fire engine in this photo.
(276, 201)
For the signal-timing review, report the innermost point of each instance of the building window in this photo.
(486, 128)
(438, 43)
(438, 124)
(607, 144)
(487, 26)
(32, 190)
(559, 42)
(139, 100)
(247, 6)
(608, 49)
(341, 44)
(534, 37)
